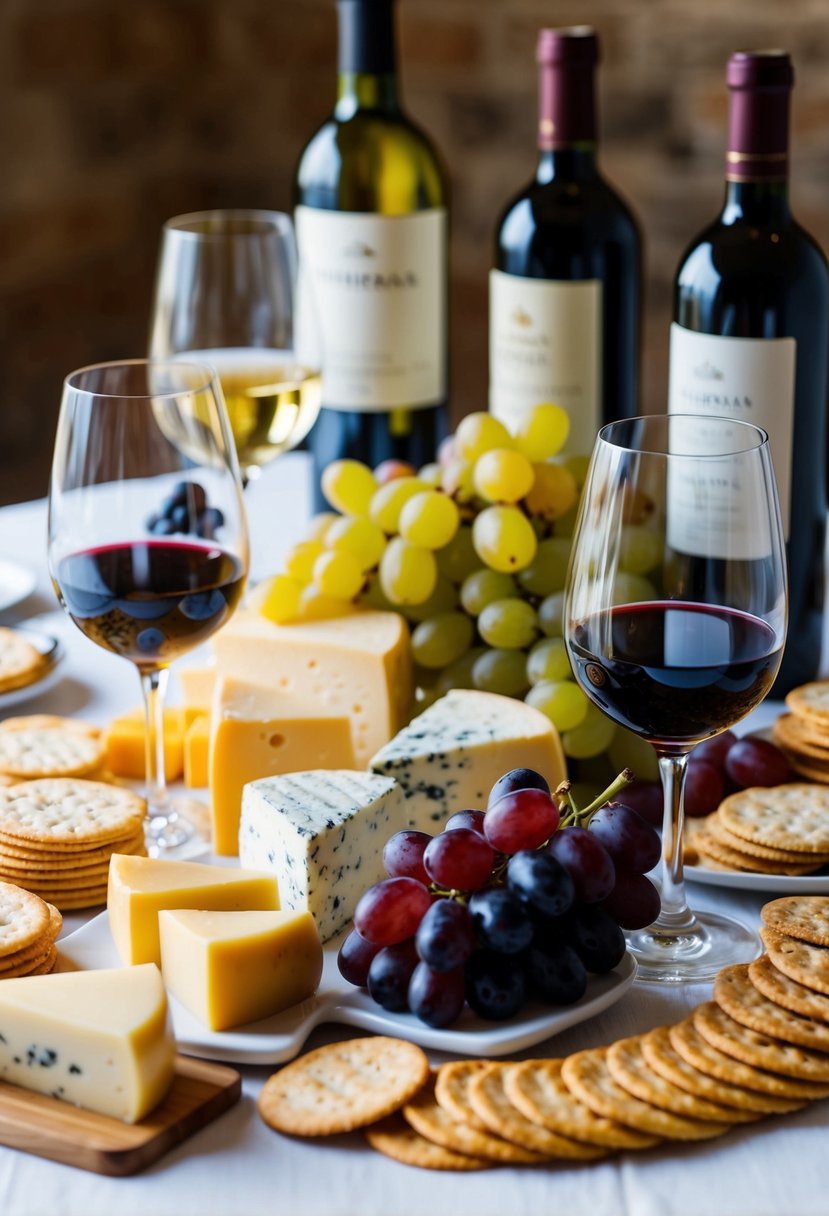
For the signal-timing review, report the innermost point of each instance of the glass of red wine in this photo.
(148, 538)
(675, 620)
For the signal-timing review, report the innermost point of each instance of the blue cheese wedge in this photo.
(448, 758)
(322, 834)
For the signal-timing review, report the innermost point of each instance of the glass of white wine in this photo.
(227, 294)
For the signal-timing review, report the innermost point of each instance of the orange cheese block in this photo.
(125, 745)
(196, 748)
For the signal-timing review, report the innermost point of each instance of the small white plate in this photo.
(780, 884)
(16, 582)
(52, 651)
(282, 1037)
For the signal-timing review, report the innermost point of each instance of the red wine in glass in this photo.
(675, 672)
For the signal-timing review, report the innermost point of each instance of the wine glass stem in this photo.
(675, 914)
(154, 686)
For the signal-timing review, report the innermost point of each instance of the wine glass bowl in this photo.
(227, 294)
(148, 545)
(675, 621)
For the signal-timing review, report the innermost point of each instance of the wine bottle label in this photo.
(377, 285)
(545, 344)
(750, 379)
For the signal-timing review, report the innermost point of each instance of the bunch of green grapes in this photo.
(473, 550)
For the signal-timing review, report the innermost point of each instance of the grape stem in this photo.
(581, 818)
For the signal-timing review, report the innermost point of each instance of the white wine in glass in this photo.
(227, 295)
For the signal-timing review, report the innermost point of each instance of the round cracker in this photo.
(20, 661)
(746, 1104)
(713, 849)
(452, 1085)
(690, 1044)
(805, 917)
(737, 996)
(395, 1138)
(67, 812)
(629, 1068)
(50, 752)
(343, 1086)
(425, 1114)
(715, 827)
(587, 1075)
(24, 918)
(759, 1050)
(794, 816)
(536, 1089)
(811, 701)
(786, 992)
(801, 961)
(790, 736)
(76, 901)
(494, 1109)
(67, 856)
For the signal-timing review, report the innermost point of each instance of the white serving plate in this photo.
(52, 650)
(282, 1037)
(779, 884)
(16, 582)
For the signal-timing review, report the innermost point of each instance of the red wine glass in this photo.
(675, 620)
(148, 539)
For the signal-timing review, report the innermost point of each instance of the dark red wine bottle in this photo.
(751, 329)
(565, 291)
(371, 215)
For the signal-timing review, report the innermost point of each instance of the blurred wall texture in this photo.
(117, 115)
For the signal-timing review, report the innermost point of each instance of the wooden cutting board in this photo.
(49, 1128)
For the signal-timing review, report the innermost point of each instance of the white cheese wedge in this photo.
(100, 1039)
(358, 665)
(322, 834)
(448, 758)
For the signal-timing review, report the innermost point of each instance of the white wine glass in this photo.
(681, 653)
(148, 537)
(227, 294)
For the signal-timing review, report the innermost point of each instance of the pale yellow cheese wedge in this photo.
(258, 732)
(196, 750)
(125, 745)
(358, 665)
(229, 968)
(100, 1039)
(139, 887)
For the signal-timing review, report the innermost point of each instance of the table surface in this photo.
(238, 1167)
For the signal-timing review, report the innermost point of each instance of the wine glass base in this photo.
(693, 954)
(173, 834)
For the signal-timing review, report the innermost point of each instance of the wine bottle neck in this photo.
(367, 61)
(757, 159)
(576, 163)
(758, 202)
(567, 96)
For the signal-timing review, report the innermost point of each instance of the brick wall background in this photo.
(116, 116)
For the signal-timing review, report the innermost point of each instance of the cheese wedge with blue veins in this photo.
(321, 833)
(449, 757)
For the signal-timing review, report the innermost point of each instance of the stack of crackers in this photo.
(781, 829)
(57, 835)
(28, 929)
(803, 733)
(21, 663)
(761, 1047)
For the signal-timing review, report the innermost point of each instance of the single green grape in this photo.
(408, 573)
(478, 433)
(562, 701)
(349, 486)
(299, 563)
(318, 525)
(458, 559)
(503, 475)
(431, 474)
(441, 640)
(375, 597)
(640, 549)
(551, 615)
(459, 673)
(358, 536)
(458, 480)
(444, 598)
(547, 572)
(278, 598)
(504, 539)
(483, 586)
(338, 574)
(632, 588)
(630, 751)
(554, 492)
(389, 500)
(591, 737)
(542, 432)
(548, 661)
(430, 519)
(503, 671)
(508, 624)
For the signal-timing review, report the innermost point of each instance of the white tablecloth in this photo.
(238, 1167)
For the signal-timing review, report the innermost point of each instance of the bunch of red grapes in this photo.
(514, 903)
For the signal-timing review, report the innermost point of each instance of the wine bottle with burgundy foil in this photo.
(371, 217)
(564, 295)
(751, 331)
